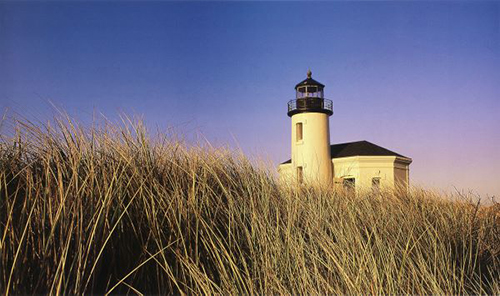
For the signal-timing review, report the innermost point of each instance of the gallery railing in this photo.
(310, 105)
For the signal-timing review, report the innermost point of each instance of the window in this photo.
(300, 175)
(312, 89)
(301, 92)
(349, 184)
(298, 130)
(376, 184)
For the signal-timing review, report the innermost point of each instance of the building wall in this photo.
(286, 173)
(392, 171)
(402, 172)
(312, 153)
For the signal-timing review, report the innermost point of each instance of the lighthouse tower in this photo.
(311, 160)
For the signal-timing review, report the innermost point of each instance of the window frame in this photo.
(300, 174)
(299, 131)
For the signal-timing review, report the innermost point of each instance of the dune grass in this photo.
(109, 209)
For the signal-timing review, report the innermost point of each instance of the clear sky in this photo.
(419, 78)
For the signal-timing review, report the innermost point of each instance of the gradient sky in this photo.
(419, 78)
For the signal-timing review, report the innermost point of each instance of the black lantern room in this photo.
(309, 98)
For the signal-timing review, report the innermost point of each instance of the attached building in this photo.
(361, 165)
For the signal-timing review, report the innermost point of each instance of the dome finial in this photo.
(309, 73)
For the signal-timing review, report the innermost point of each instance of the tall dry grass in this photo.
(107, 209)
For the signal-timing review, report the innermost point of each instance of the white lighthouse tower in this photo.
(311, 161)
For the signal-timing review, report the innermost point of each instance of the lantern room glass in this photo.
(311, 91)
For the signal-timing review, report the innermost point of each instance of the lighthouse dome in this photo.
(309, 82)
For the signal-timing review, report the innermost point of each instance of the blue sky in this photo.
(420, 78)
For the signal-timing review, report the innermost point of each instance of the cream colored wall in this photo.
(313, 151)
(363, 168)
(402, 172)
(286, 173)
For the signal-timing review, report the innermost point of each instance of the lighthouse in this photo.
(353, 166)
(311, 161)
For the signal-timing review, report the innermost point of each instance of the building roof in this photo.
(360, 148)
(309, 81)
